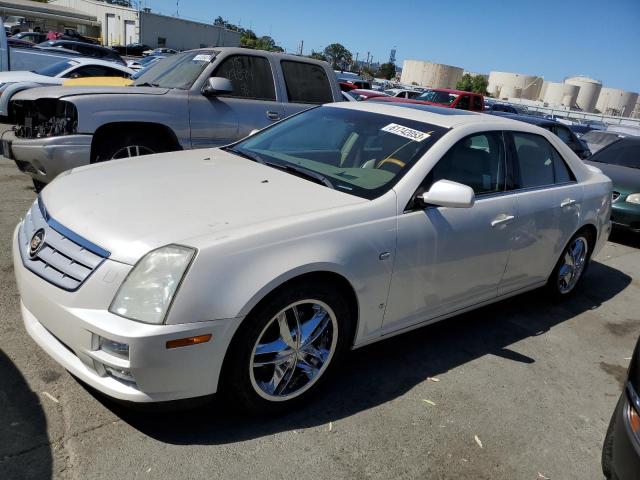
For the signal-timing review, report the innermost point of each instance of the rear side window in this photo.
(477, 102)
(477, 161)
(250, 76)
(306, 83)
(463, 103)
(623, 153)
(564, 134)
(537, 163)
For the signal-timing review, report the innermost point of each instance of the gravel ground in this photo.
(525, 391)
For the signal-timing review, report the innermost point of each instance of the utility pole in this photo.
(301, 46)
(177, 8)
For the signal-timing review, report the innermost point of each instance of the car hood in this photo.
(63, 92)
(625, 180)
(13, 77)
(132, 206)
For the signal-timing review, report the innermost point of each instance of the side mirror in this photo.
(445, 193)
(217, 86)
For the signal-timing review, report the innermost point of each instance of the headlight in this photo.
(634, 198)
(147, 292)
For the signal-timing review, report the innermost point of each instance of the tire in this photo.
(578, 250)
(130, 145)
(38, 185)
(288, 374)
(607, 446)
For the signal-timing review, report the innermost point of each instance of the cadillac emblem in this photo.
(36, 243)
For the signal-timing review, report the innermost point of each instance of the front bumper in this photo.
(626, 215)
(69, 325)
(45, 158)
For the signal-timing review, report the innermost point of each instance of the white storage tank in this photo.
(588, 94)
(613, 101)
(428, 74)
(505, 85)
(559, 94)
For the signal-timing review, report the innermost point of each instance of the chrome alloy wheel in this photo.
(575, 258)
(132, 151)
(293, 350)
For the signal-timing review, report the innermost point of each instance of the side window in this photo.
(463, 102)
(306, 82)
(250, 76)
(564, 134)
(477, 102)
(477, 161)
(537, 162)
(89, 71)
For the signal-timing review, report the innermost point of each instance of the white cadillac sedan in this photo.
(252, 269)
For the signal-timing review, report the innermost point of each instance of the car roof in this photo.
(97, 61)
(527, 118)
(452, 90)
(440, 116)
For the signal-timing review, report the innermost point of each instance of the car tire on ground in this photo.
(607, 446)
(571, 266)
(287, 348)
(131, 145)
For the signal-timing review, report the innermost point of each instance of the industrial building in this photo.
(613, 101)
(505, 85)
(122, 24)
(428, 74)
(560, 94)
(588, 94)
(44, 17)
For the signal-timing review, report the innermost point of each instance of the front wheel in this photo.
(287, 348)
(132, 145)
(571, 266)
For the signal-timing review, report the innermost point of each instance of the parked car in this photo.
(443, 97)
(596, 140)
(33, 37)
(579, 129)
(578, 146)
(71, 34)
(19, 43)
(99, 82)
(364, 94)
(338, 227)
(621, 449)
(15, 24)
(620, 161)
(82, 48)
(160, 51)
(493, 106)
(13, 82)
(402, 93)
(196, 99)
(141, 63)
(134, 49)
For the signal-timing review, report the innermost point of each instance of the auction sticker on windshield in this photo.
(406, 132)
(202, 58)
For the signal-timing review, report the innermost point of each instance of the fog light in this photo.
(114, 348)
(120, 374)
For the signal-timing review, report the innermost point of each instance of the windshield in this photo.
(436, 96)
(361, 153)
(177, 71)
(56, 68)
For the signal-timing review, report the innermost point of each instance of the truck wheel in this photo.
(286, 348)
(129, 146)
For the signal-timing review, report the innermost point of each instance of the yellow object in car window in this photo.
(98, 82)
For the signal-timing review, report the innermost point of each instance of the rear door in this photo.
(305, 85)
(549, 202)
(222, 119)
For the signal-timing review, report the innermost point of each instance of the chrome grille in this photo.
(614, 196)
(66, 259)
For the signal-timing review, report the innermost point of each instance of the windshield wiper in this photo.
(240, 153)
(145, 84)
(304, 173)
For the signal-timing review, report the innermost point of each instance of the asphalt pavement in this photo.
(522, 389)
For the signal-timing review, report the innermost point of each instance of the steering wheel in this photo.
(391, 164)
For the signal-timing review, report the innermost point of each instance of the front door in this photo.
(451, 258)
(222, 119)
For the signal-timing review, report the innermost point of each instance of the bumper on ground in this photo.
(45, 158)
(73, 326)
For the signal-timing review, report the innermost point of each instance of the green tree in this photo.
(248, 38)
(338, 56)
(473, 83)
(318, 56)
(386, 70)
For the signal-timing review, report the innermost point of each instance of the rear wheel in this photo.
(571, 265)
(287, 348)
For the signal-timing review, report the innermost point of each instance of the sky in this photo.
(553, 39)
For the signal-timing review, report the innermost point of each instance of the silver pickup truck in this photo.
(196, 99)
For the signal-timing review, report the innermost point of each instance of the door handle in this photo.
(273, 115)
(500, 219)
(567, 202)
